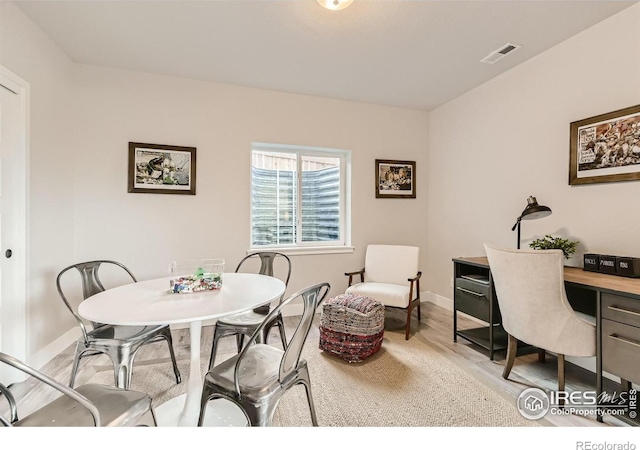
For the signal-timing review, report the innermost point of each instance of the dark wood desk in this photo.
(613, 300)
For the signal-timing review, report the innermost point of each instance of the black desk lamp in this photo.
(532, 211)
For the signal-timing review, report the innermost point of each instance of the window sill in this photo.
(293, 251)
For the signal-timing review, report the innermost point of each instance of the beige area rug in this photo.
(407, 383)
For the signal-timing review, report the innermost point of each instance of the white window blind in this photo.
(298, 196)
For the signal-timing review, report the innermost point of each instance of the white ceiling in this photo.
(412, 54)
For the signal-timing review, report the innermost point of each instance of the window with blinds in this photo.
(297, 196)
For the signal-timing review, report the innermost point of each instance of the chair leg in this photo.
(239, 341)
(148, 419)
(408, 326)
(214, 348)
(306, 381)
(167, 336)
(76, 364)
(542, 355)
(561, 380)
(419, 318)
(258, 414)
(512, 348)
(204, 400)
(122, 360)
(122, 375)
(283, 336)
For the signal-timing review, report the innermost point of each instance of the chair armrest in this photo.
(54, 384)
(352, 274)
(13, 407)
(416, 278)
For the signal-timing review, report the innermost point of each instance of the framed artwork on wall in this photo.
(395, 179)
(161, 169)
(605, 148)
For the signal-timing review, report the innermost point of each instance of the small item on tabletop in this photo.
(195, 275)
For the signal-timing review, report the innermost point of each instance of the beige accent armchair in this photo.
(533, 303)
(390, 276)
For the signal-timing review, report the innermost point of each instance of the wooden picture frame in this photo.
(395, 179)
(161, 169)
(605, 148)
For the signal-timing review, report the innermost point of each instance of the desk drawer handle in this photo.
(624, 310)
(625, 340)
(467, 291)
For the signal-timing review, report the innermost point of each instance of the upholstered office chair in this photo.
(535, 310)
(258, 377)
(120, 343)
(390, 275)
(89, 405)
(244, 324)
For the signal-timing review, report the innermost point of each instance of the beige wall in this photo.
(509, 138)
(147, 231)
(82, 118)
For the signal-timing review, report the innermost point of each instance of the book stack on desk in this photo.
(615, 265)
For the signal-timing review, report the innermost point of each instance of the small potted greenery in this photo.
(550, 242)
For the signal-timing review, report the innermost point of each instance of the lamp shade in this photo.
(335, 5)
(534, 211)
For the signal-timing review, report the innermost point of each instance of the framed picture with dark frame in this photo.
(605, 148)
(395, 179)
(162, 169)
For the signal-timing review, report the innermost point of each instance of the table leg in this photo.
(191, 410)
(184, 410)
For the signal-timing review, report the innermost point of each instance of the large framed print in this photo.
(605, 148)
(395, 179)
(162, 169)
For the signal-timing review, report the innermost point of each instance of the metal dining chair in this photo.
(258, 377)
(119, 342)
(244, 324)
(89, 405)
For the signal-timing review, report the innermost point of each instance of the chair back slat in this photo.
(311, 298)
(267, 261)
(91, 285)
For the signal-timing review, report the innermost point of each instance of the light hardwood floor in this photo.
(436, 327)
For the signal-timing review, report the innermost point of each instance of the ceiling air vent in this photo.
(497, 55)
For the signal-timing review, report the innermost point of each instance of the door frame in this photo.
(18, 321)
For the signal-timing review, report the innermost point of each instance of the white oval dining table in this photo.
(150, 303)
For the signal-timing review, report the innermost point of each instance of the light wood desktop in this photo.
(590, 280)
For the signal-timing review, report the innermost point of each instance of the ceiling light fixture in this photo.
(335, 5)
